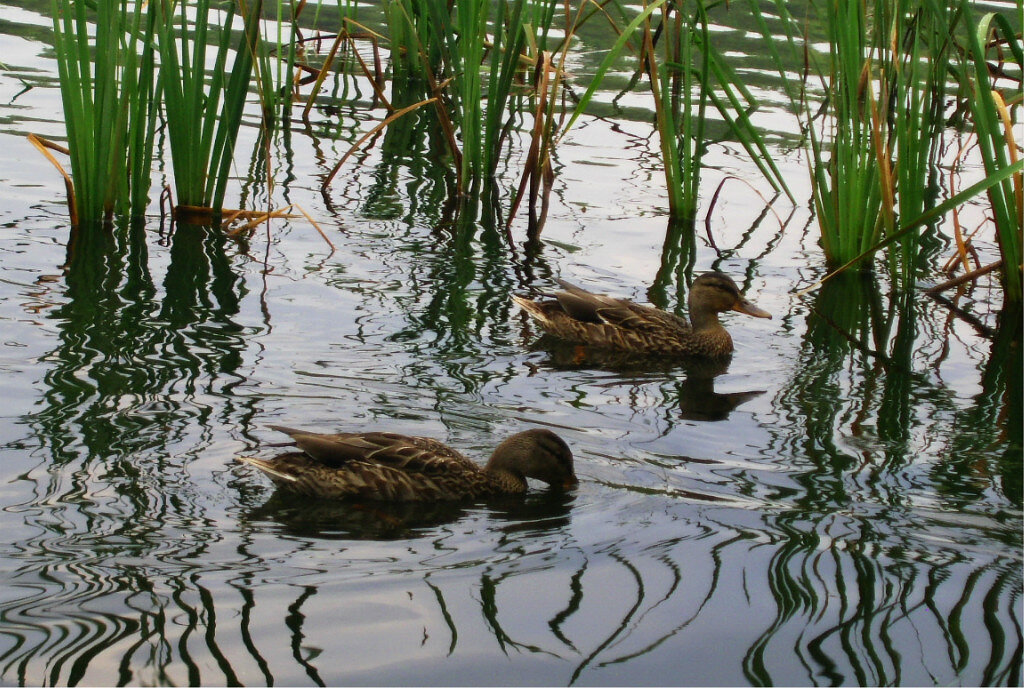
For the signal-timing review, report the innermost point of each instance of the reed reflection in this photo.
(440, 544)
(519, 577)
(994, 419)
(133, 373)
(824, 597)
(859, 566)
(858, 595)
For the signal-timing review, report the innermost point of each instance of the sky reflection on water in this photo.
(839, 503)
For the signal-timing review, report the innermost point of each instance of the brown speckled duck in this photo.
(397, 468)
(602, 321)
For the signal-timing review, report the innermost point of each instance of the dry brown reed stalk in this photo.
(1012, 149)
(255, 218)
(321, 74)
(548, 78)
(963, 279)
(964, 245)
(537, 171)
(368, 135)
(375, 77)
(195, 214)
(44, 146)
(250, 219)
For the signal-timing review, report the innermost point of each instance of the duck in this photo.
(584, 317)
(389, 467)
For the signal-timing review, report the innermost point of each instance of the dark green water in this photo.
(839, 504)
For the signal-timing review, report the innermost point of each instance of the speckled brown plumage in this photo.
(580, 316)
(391, 467)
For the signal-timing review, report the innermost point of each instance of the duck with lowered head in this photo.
(578, 315)
(398, 468)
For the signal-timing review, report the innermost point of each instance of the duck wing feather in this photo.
(401, 452)
(586, 306)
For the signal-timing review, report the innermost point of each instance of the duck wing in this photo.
(580, 304)
(401, 452)
(586, 306)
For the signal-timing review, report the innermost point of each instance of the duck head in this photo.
(715, 292)
(538, 454)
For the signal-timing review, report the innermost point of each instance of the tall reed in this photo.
(203, 106)
(108, 93)
(534, 43)
(465, 56)
(424, 46)
(915, 71)
(694, 66)
(994, 129)
(846, 164)
(273, 69)
(674, 81)
(688, 75)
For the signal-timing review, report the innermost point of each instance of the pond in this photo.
(839, 503)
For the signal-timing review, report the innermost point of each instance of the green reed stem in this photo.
(847, 185)
(466, 55)
(274, 75)
(917, 72)
(508, 44)
(203, 108)
(994, 143)
(107, 91)
(687, 74)
(926, 218)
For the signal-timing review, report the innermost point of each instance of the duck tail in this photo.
(267, 467)
(531, 307)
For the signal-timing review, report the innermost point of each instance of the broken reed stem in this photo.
(42, 145)
(368, 135)
(962, 279)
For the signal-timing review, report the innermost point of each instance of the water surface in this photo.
(838, 504)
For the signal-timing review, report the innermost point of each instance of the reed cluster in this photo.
(873, 105)
(203, 106)
(188, 62)
(687, 74)
(108, 92)
(885, 90)
(846, 168)
(989, 41)
(471, 61)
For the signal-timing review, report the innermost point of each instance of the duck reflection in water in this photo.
(356, 519)
(692, 393)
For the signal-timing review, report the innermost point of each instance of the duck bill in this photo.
(744, 306)
(570, 483)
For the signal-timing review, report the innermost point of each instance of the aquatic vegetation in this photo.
(847, 160)
(994, 128)
(470, 74)
(203, 106)
(466, 60)
(838, 502)
(109, 97)
(875, 172)
(687, 73)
